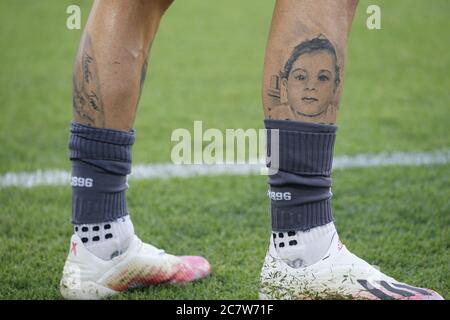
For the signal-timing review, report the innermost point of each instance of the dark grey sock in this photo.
(300, 191)
(101, 161)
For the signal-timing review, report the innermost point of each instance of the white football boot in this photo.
(85, 276)
(338, 275)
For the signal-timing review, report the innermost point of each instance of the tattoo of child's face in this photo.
(308, 83)
(310, 86)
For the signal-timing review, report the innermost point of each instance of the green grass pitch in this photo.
(206, 64)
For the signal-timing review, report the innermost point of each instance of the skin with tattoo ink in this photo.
(310, 87)
(87, 103)
(308, 82)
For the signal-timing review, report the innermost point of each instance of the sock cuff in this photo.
(87, 142)
(302, 217)
(285, 179)
(303, 148)
(300, 126)
(102, 207)
(103, 134)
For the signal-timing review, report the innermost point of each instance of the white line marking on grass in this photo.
(163, 171)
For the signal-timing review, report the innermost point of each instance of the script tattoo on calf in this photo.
(87, 102)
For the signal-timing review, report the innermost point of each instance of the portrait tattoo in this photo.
(87, 103)
(308, 83)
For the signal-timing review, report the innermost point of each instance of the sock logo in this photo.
(73, 249)
(82, 182)
(277, 196)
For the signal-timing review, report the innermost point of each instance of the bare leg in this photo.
(111, 63)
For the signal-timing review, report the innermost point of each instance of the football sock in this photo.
(107, 239)
(101, 161)
(300, 190)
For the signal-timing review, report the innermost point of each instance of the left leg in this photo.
(105, 255)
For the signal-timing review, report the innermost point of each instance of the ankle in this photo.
(107, 239)
(303, 248)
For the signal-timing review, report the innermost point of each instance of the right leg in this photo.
(303, 79)
(105, 256)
